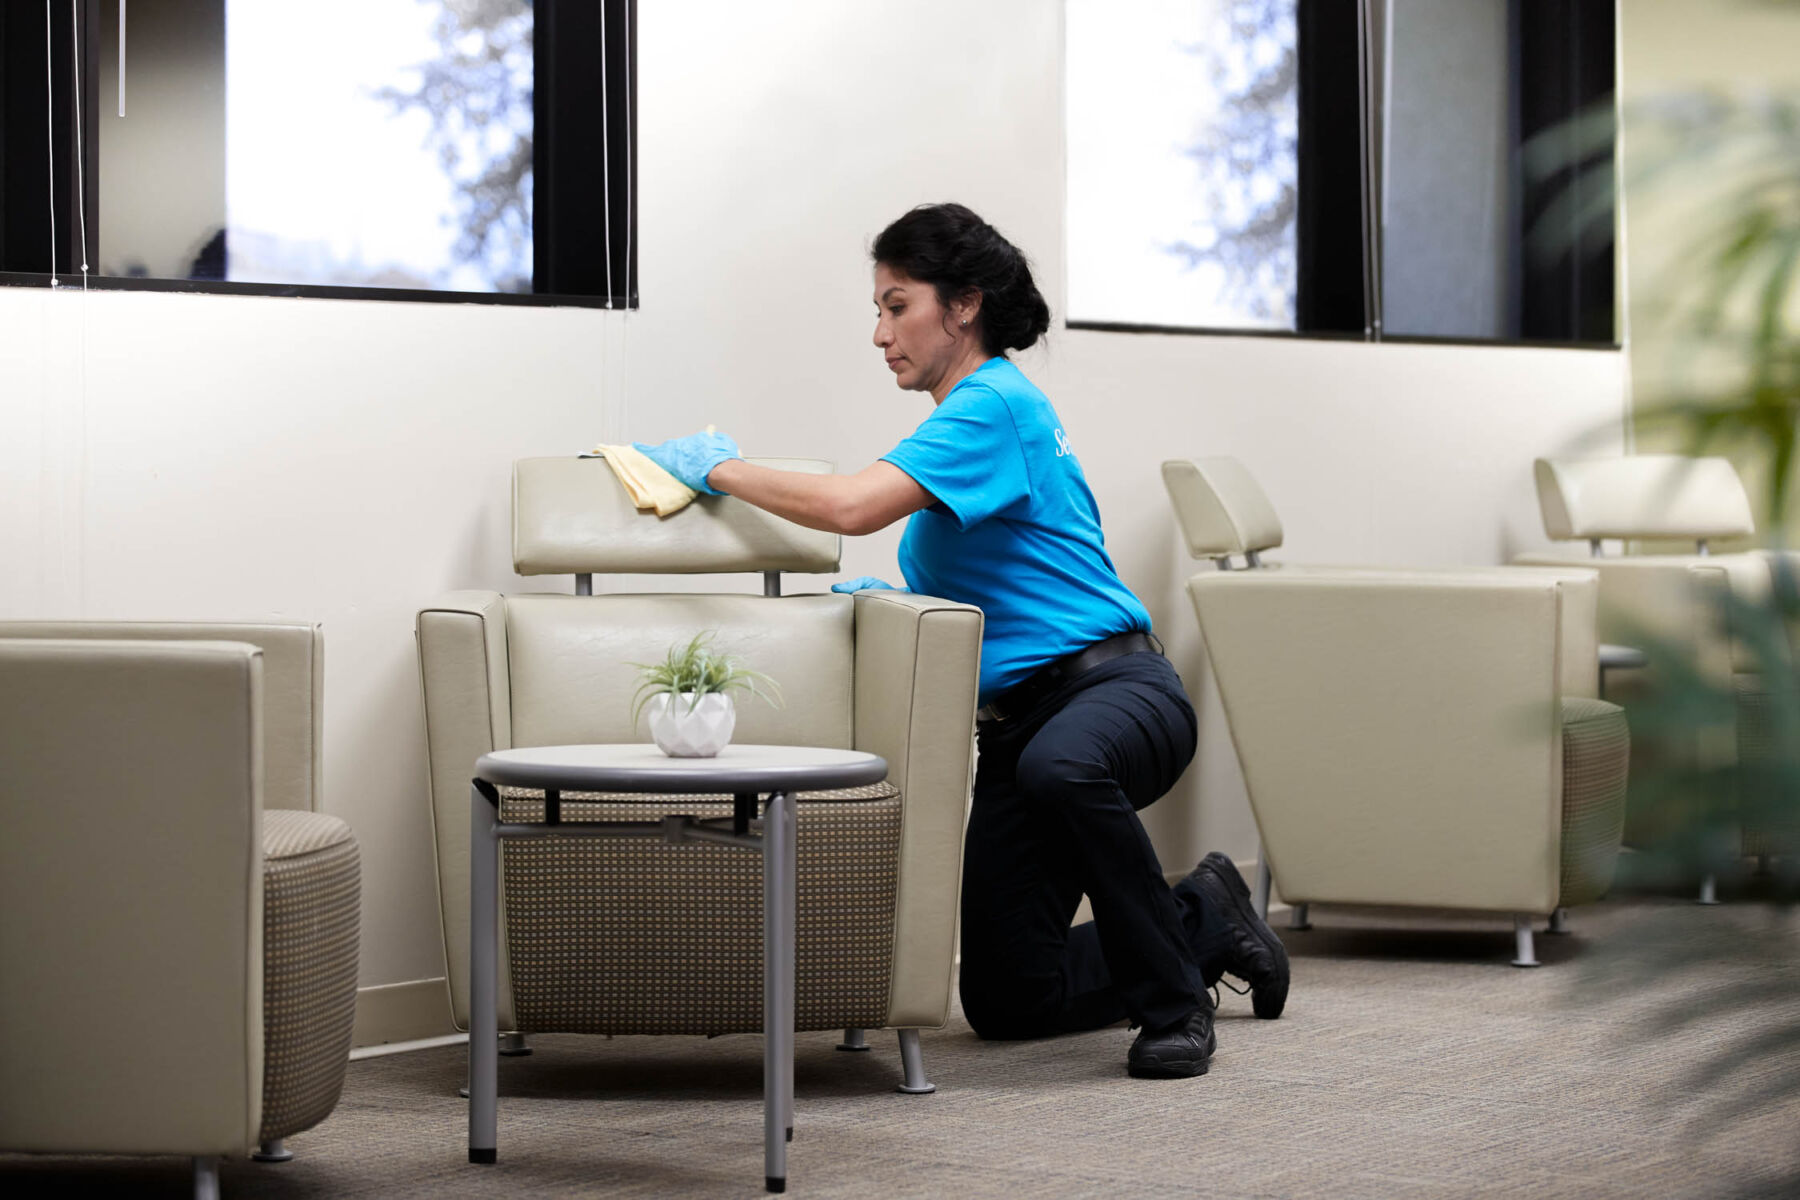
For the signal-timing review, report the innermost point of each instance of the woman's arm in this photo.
(873, 498)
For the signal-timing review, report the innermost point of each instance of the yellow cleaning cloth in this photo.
(648, 485)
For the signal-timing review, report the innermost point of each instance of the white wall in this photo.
(177, 456)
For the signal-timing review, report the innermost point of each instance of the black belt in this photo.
(1021, 698)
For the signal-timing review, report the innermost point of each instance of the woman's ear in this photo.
(966, 307)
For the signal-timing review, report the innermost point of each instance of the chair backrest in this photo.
(1221, 509)
(571, 658)
(1399, 729)
(571, 517)
(293, 674)
(571, 661)
(1642, 496)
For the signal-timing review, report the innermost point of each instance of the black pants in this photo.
(1057, 792)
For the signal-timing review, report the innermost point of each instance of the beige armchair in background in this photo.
(604, 936)
(1673, 604)
(1424, 738)
(178, 960)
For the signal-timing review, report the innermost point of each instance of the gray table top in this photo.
(641, 767)
(1612, 655)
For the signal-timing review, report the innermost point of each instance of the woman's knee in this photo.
(1001, 1008)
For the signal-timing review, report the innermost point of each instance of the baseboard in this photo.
(416, 1010)
(387, 1048)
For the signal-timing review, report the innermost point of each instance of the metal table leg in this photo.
(484, 972)
(779, 853)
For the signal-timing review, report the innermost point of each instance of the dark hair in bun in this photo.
(957, 252)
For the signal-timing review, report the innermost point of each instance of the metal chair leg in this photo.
(1527, 953)
(484, 983)
(273, 1151)
(912, 1062)
(206, 1179)
(1559, 922)
(1297, 918)
(512, 1045)
(854, 1039)
(1709, 890)
(1264, 881)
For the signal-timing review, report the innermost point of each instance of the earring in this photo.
(965, 320)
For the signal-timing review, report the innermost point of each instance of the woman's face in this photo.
(921, 339)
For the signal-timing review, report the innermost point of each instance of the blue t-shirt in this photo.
(1015, 530)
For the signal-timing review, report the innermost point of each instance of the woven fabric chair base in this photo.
(311, 918)
(633, 935)
(1596, 760)
(1770, 815)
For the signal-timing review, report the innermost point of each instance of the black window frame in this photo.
(570, 247)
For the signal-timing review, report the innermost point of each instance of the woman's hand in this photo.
(865, 583)
(692, 458)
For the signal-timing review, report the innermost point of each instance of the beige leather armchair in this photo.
(178, 960)
(1409, 737)
(613, 936)
(1672, 604)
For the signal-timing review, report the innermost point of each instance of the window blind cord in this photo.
(122, 4)
(1365, 71)
(50, 134)
(80, 177)
(605, 160)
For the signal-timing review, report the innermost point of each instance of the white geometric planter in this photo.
(697, 732)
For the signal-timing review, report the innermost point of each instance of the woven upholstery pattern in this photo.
(633, 935)
(311, 914)
(1771, 819)
(1596, 756)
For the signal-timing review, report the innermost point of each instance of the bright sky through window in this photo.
(330, 182)
(1182, 119)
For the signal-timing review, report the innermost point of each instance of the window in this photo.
(1182, 125)
(464, 149)
(1319, 167)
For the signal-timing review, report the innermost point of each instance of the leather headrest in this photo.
(1642, 496)
(571, 517)
(1221, 509)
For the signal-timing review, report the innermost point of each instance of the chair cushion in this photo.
(1596, 755)
(311, 914)
(572, 679)
(633, 935)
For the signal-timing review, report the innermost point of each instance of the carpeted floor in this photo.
(1412, 1062)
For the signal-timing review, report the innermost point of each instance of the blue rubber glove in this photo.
(865, 583)
(691, 458)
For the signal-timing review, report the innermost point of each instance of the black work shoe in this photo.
(1257, 955)
(1179, 1052)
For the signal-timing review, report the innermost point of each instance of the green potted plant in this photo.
(688, 697)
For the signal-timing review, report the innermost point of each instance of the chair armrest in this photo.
(917, 666)
(464, 681)
(131, 880)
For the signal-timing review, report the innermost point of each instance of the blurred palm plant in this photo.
(1726, 173)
